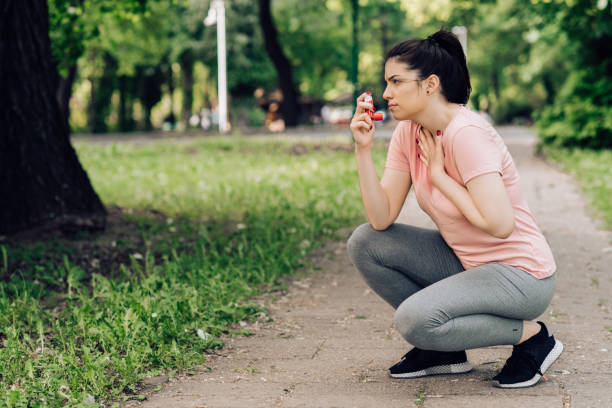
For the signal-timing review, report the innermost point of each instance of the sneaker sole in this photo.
(435, 370)
(548, 361)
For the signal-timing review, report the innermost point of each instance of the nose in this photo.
(386, 94)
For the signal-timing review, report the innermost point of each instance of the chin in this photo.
(404, 114)
(400, 115)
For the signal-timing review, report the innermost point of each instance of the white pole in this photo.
(223, 124)
(461, 33)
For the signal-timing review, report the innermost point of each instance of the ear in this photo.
(432, 84)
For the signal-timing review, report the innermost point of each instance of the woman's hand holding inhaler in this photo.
(362, 124)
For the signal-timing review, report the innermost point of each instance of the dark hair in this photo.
(440, 54)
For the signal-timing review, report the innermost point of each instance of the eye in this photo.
(395, 81)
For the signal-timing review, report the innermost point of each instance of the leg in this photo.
(483, 306)
(401, 260)
(530, 329)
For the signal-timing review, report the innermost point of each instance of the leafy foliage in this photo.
(581, 114)
(74, 23)
(524, 57)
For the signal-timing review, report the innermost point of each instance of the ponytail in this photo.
(440, 54)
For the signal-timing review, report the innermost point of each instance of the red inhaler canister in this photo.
(373, 115)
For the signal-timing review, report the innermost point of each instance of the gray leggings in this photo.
(440, 305)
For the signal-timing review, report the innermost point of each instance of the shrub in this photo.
(581, 115)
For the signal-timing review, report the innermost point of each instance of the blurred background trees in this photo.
(135, 65)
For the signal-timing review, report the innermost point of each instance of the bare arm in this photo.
(383, 200)
(484, 203)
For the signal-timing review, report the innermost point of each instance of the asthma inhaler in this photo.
(373, 115)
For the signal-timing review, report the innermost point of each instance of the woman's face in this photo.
(404, 91)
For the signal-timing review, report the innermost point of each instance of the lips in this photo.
(392, 105)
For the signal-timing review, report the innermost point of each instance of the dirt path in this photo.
(331, 339)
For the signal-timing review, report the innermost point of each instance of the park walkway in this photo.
(330, 339)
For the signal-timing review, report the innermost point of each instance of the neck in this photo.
(437, 115)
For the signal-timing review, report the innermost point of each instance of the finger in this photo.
(425, 155)
(358, 107)
(365, 117)
(438, 141)
(422, 148)
(361, 97)
(423, 160)
(361, 117)
(357, 124)
(363, 125)
(426, 134)
(422, 142)
(427, 138)
(363, 106)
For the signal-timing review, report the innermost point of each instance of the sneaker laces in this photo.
(519, 358)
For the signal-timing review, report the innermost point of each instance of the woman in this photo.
(481, 279)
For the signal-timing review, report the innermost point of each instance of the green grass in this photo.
(232, 215)
(420, 396)
(593, 170)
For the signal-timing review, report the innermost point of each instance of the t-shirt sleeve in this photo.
(397, 158)
(476, 153)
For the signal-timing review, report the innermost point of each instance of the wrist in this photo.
(436, 177)
(359, 149)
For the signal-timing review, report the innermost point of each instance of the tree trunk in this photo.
(64, 85)
(150, 92)
(170, 117)
(42, 183)
(290, 108)
(549, 87)
(91, 107)
(495, 85)
(186, 61)
(64, 92)
(122, 109)
(101, 94)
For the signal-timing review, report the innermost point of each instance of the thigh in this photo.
(493, 288)
(420, 254)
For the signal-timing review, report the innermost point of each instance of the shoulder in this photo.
(470, 127)
(469, 132)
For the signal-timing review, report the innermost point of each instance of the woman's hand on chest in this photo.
(483, 201)
(431, 153)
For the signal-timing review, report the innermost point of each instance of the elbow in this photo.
(504, 230)
(379, 227)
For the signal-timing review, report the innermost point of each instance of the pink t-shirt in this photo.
(472, 147)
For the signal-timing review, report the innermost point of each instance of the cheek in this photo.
(413, 101)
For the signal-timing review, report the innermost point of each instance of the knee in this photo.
(409, 323)
(421, 326)
(359, 242)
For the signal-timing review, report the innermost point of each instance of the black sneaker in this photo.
(419, 363)
(529, 361)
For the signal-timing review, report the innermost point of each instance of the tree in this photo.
(289, 108)
(42, 182)
(73, 24)
(581, 114)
